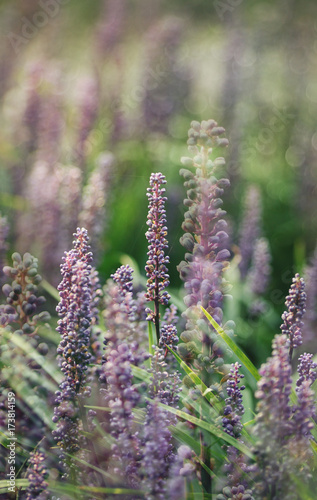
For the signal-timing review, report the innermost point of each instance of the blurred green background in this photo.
(151, 68)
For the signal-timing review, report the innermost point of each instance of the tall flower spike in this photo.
(273, 421)
(292, 318)
(156, 270)
(205, 230)
(306, 369)
(260, 271)
(75, 314)
(250, 228)
(95, 195)
(231, 422)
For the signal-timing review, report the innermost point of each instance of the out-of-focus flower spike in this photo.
(310, 319)
(260, 270)
(95, 194)
(205, 233)
(250, 228)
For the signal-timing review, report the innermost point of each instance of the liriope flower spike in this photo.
(156, 270)
(74, 324)
(292, 318)
(205, 232)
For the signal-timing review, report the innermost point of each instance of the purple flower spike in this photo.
(156, 270)
(234, 409)
(205, 237)
(123, 276)
(250, 228)
(260, 271)
(292, 317)
(306, 369)
(283, 431)
(74, 325)
(36, 475)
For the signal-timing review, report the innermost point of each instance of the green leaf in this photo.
(19, 341)
(50, 289)
(212, 429)
(233, 346)
(206, 392)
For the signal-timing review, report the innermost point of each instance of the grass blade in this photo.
(233, 346)
(215, 431)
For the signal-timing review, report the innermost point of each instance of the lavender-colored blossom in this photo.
(37, 474)
(44, 218)
(303, 412)
(123, 277)
(51, 120)
(169, 336)
(273, 392)
(306, 369)
(110, 27)
(280, 428)
(158, 453)
(95, 193)
(122, 397)
(165, 79)
(32, 111)
(292, 318)
(234, 409)
(156, 270)
(259, 274)
(74, 325)
(88, 102)
(236, 466)
(205, 229)
(250, 228)
(120, 310)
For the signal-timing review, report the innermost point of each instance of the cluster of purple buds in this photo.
(156, 270)
(292, 318)
(169, 337)
(235, 493)
(21, 295)
(234, 408)
(37, 474)
(306, 369)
